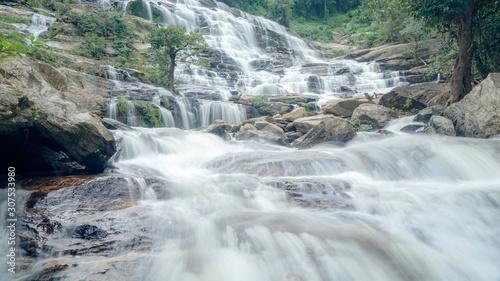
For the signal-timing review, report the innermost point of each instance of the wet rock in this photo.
(396, 99)
(341, 107)
(262, 131)
(413, 128)
(89, 232)
(333, 129)
(305, 124)
(292, 136)
(315, 84)
(478, 114)
(218, 128)
(260, 136)
(442, 125)
(327, 194)
(112, 124)
(421, 96)
(297, 113)
(374, 115)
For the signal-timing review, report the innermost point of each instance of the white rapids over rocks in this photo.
(260, 57)
(402, 207)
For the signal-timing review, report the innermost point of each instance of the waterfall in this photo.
(231, 113)
(112, 108)
(131, 115)
(186, 112)
(391, 208)
(39, 25)
(167, 118)
(146, 6)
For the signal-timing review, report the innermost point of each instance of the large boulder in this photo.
(341, 107)
(376, 116)
(333, 129)
(40, 105)
(297, 113)
(305, 124)
(478, 113)
(420, 96)
(442, 125)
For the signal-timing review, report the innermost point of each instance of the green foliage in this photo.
(308, 107)
(7, 48)
(37, 112)
(487, 55)
(172, 43)
(98, 26)
(13, 36)
(166, 103)
(15, 19)
(148, 115)
(443, 61)
(315, 31)
(359, 127)
(281, 10)
(93, 46)
(407, 104)
(123, 108)
(234, 98)
(122, 35)
(261, 104)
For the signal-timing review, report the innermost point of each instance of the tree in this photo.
(281, 10)
(460, 17)
(172, 43)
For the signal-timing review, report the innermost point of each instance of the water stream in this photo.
(403, 207)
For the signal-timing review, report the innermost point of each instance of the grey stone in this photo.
(478, 113)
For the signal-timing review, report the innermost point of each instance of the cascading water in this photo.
(131, 115)
(39, 25)
(248, 47)
(382, 208)
(211, 111)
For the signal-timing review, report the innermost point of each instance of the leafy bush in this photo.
(123, 108)
(261, 104)
(148, 115)
(93, 46)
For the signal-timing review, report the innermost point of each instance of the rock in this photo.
(112, 124)
(305, 124)
(398, 100)
(425, 114)
(341, 107)
(218, 128)
(262, 131)
(412, 128)
(260, 136)
(297, 113)
(333, 129)
(53, 112)
(89, 232)
(315, 84)
(442, 125)
(271, 128)
(376, 116)
(246, 98)
(421, 95)
(292, 136)
(478, 113)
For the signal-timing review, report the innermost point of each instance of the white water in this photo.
(237, 38)
(40, 24)
(418, 208)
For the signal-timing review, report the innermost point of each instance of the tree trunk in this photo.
(171, 74)
(461, 81)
